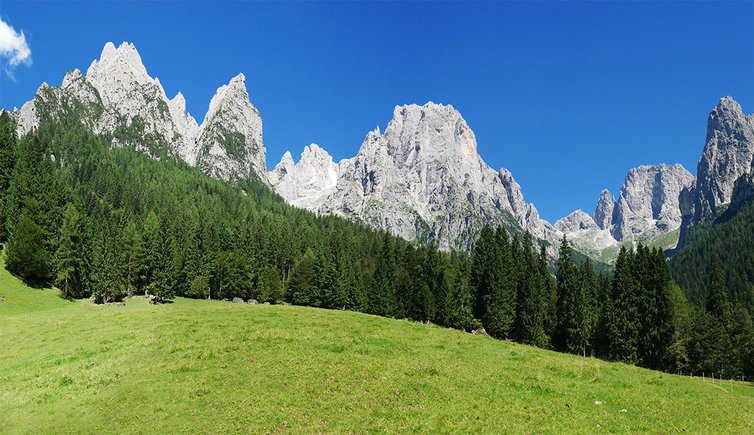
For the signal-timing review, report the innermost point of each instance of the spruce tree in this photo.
(148, 255)
(622, 327)
(500, 303)
(718, 301)
(382, 299)
(108, 284)
(302, 284)
(569, 331)
(68, 261)
(27, 257)
(7, 161)
(532, 297)
(589, 289)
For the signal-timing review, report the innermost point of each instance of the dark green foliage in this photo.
(571, 333)
(622, 323)
(7, 161)
(731, 240)
(106, 283)
(302, 284)
(69, 261)
(533, 296)
(494, 280)
(718, 301)
(27, 257)
(269, 286)
(235, 278)
(108, 223)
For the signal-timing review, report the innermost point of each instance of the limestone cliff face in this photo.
(229, 141)
(117, 97)
(420, 179)
(648, 207)
(649, 202)
(727, 157)
(305, 184)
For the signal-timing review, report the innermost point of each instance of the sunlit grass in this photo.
(210, 366)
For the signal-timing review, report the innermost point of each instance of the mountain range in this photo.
(422, 178)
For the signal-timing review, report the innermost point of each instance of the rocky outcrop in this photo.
(118, 98)
(576, 221)
(603, 213)
(727, 157)
(229, 141)
(648, 205)
(307, 183)
(421, 179)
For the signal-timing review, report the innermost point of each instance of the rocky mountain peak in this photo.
(229, 141)
(307, 183)
(727, 155)
(118, 95)
(118, 72)
(70, 77)
(234, 94)
(649, 201)
(423, 179)
(576, 221)
(603, 213)
(429, 132)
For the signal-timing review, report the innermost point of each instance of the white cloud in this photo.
(14, 50)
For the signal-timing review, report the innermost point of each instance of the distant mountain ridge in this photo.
(725, 167)
(422, 178)
(118, 94)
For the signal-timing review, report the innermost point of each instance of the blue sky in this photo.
(568, 96)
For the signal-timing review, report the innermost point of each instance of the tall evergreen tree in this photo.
(569, 331)
(68, 261)
(7, 160)
(533, 298)
(302, 284)
(589, 289)
(148, 255)
(500, 314)
(718, 301)
(622, 319)
(27, 257)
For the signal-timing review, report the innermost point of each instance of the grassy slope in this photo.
(208, 366)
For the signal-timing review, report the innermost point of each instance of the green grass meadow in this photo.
(212, 366)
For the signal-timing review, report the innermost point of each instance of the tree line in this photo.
(109, 223)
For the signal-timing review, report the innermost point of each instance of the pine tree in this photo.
(7, 161)
(589, 289)
(742, 337)
(326, 278)
(148, 255)
(68, 261)
(622, 320)
(461, 310)
(270, 286)
(302, 284)
(237, 278)
(718, 301)
(27, 257)
(569, 331)
(483, 262)
(129, 242)
(108, 285)
(532, 298)
(382, 299)
(500, 303)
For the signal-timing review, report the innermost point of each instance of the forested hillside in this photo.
(108, 223)
(731, 240)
